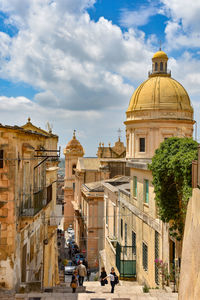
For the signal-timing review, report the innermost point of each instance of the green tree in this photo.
(172, 179)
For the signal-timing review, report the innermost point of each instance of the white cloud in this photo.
(71, 59)
(182, 30)
(139, 17)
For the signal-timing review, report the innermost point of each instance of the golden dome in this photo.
(74, 147)
(160, 93)
(160, 54)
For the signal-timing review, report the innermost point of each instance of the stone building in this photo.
(112, 228)
(79, 173)
(92, 203)
(28, 210)
(72, 152)
(117, 151)
(159, 108)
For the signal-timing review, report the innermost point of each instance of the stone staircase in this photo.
(93, 291)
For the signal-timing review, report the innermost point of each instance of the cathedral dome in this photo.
(74, 147)
(161, 92)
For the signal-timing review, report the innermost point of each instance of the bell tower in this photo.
(72, 152)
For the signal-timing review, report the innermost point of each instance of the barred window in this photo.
(134, 242)
(156, 257)
(121, 228)
(145, 256)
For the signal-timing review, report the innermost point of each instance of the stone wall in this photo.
(190, 267)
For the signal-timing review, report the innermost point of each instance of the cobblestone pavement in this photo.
(93, 291)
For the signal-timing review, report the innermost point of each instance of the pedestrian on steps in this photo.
(74, 282)
(88, 274)
(81, 272)
(113, 279)
(103, 275)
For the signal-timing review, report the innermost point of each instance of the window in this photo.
(121, 228)
(125, 238)
(106, 211)
(73, 186)
(156, 257)
(146, 191)
(156, 66)
(114, 221)
(145, 256)
(134, 186)
(31, 248)
(1, 159)
(161, 66)
(73, 169)
(134, 242)
(142, 144)
(125, 234)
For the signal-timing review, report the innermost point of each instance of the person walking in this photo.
(81, 272)
(103, 276)
(113, 279)
(74, 282)
(88, 274)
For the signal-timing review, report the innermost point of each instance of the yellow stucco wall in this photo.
(190, 266)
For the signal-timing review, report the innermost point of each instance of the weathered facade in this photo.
(189, 287)
(107, 257)
(28, 221)
(92, 212)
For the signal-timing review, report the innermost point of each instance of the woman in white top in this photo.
(112, 276)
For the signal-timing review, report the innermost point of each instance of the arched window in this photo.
(73, 169)
(156, 66)
(161, 66)
(165, 67)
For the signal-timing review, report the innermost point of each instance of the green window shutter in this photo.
(135, 179)
(147, 191)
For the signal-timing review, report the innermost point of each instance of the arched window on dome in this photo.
(165, 67)
(73, 169)
(161, 66)
(156, 66)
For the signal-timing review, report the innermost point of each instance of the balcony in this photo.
(154, 73)
(40, 200)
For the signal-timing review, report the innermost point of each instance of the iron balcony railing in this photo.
(168, 72)
(40, 199)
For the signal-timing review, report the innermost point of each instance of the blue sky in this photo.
(76, 63)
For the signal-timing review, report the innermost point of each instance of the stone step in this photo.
(95, 296)
(68, 289)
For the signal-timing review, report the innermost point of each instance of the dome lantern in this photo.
(159, 64)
